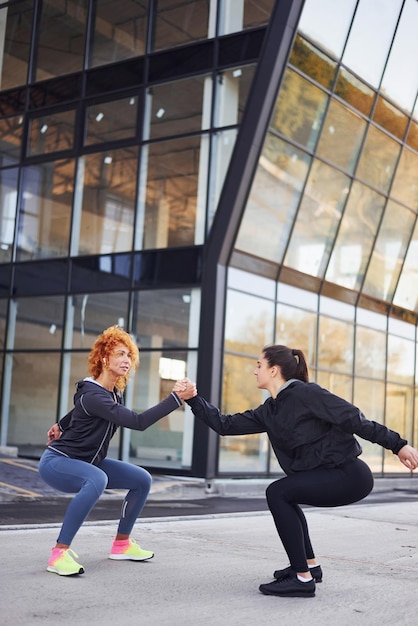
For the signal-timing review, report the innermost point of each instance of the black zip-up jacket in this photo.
(88, 428)
(308, 426)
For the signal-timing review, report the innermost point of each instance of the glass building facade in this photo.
(214, 176)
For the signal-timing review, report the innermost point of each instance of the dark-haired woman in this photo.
(312, 434)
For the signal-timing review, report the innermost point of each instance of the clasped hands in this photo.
(185, 389)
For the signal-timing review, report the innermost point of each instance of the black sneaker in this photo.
(290, 587)
(316, 573)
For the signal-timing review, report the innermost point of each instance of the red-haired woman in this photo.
(75, 460)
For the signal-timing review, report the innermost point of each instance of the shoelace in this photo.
(285, 580)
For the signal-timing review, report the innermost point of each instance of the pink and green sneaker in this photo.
(129, 550)
(61, 562)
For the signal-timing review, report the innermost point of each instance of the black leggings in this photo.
(338, 486)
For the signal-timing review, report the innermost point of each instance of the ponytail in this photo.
(291, 361)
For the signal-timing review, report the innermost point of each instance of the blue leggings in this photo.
(321, 487)
(88, 483)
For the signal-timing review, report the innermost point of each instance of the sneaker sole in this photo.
(295, 594)
(126, 557)
(54, 570)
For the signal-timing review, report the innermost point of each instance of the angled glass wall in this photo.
(331, 225)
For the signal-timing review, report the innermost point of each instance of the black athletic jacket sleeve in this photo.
(308, 426)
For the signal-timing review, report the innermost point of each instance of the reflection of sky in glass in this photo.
(245, 281)
(249, 320)
(371, 319)
(370, 37)
(400, 80)
(327, 22)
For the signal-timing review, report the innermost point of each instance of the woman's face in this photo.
(262, 372)
(120, 360)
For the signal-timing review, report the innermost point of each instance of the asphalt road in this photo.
(26, 499)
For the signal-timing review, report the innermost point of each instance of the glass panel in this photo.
(335, 308)
(378, 159)
(370, 398)
(177, 107)
(223, 143)
(371, 319)
(406, 294)
(355, 237)
(11, 129)
(370, 353)
(31, 373)
(162, 318)
(401, 329)
(412, 136)
(275, 194)
(3, 317)
(338, 384)
(403, 54)
(399, 408)
(120, 30)
(404, 186)
(232, 89)
(249, 323)
(89, 314)
(297, 297)
(236, 15)
(367, 48)
(312, 62)
(52, 133)
(61, 38)
(110, 121)
(167, 443)
(171, 194)
(39, 323)
(178, 22)
(317, 220)
(108, 182)
(390, 118)
(389, 252)
(335, 345)
(8, 202)
(354, 92)
(45, 214)
(299, 110)
(401, 355)
(341, 136)
(256, 285)
(296, 328)
(246, 453)
(16, 29)
(327, 23)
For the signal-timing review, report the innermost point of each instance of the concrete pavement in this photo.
(207, 569)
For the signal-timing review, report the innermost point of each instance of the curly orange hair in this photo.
(104, 345)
